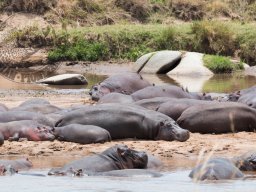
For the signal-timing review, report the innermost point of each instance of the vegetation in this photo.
(220, 64)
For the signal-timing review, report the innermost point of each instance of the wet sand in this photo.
(179, 153)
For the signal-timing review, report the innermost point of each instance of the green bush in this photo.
(220, 64)
(214, 37)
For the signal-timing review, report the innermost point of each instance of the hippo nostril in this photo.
(90, 93)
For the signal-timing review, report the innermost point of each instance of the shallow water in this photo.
(170, 181)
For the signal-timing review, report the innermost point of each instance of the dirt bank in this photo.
(226, 145)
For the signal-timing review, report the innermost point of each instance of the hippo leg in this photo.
(15, 137)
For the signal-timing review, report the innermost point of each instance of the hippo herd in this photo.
(128, 106)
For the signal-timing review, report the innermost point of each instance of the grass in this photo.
(220, 64)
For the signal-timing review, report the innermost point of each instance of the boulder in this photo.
(160, 62)
(191, 65)
(65, 79)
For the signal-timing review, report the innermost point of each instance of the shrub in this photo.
(220, 64)
(214, 37)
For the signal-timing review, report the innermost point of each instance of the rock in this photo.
(251, 71)
(160, 62)
(191, 65)
(65, 79)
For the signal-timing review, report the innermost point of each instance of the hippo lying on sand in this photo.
(216, 169)
(171, 91)
(127, 121)
(34, 101)
(126, 83)
(31, 130)
(218, 118)
(116, 98)
(83, 134)
(38, 108)
(114, 158)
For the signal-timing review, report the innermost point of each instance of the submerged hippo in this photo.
(218, 118)
(126, 83)
(114, 158)
(19, 115)
(246, 162)
(38, 108)
(216, 169)
(116, 98)
(19, 164)
(31, 130)
(171, 91)
(83, 134)
(129, 173)
(127, 121)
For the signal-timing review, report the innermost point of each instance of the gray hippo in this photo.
(129, 173)
(37, 108)
(3, 108)
(175, 107)
(114, 158)
(31, 130)
(19, 115)
(152, 103)
(83, 134)
(34, 101)
(221, 117)
(127, 121)
(126, 83)
(216, 169)
(246, 162)
(171, 91)
(116, 98)
(248, 99)
(236, 95)
(1, 139)
(19, 164)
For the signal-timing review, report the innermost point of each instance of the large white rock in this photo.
(191, 65)
(65, 79)
(159, 62)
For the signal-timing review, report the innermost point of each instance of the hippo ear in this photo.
(204, 94)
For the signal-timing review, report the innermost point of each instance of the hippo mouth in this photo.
(180, 134)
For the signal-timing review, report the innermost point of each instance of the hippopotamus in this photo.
(126, 83)
(221, 97)
(38, 108)
(175, 107)
(221, 117)
(31, 130)
(171, 91)
(129, 173)
(18, 164)
(236, 95)
(216, 169)
(35, 101)
(152, 103)
(116, 98)
(114, 158)
(3, 108)
(127, 121)
(1, 139)
(248, 99)
(246, 162)
(83, 134)
(17, 116)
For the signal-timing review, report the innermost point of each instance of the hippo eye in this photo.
(95, 88)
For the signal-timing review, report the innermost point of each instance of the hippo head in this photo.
(98, 91)
(234, 96)
(170, 131)
(126, 158)
(248, 163)
(41, 133)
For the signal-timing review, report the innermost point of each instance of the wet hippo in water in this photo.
(246, 162)
(18, 116)
(221, 117)
(114, 158)
(129, 173)
(38, 108)
(127, 121)
(83, 134)
(216, 169)
(116, 98)
(19, 164)
(31, 130)
(171, 91)
(126, 83)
